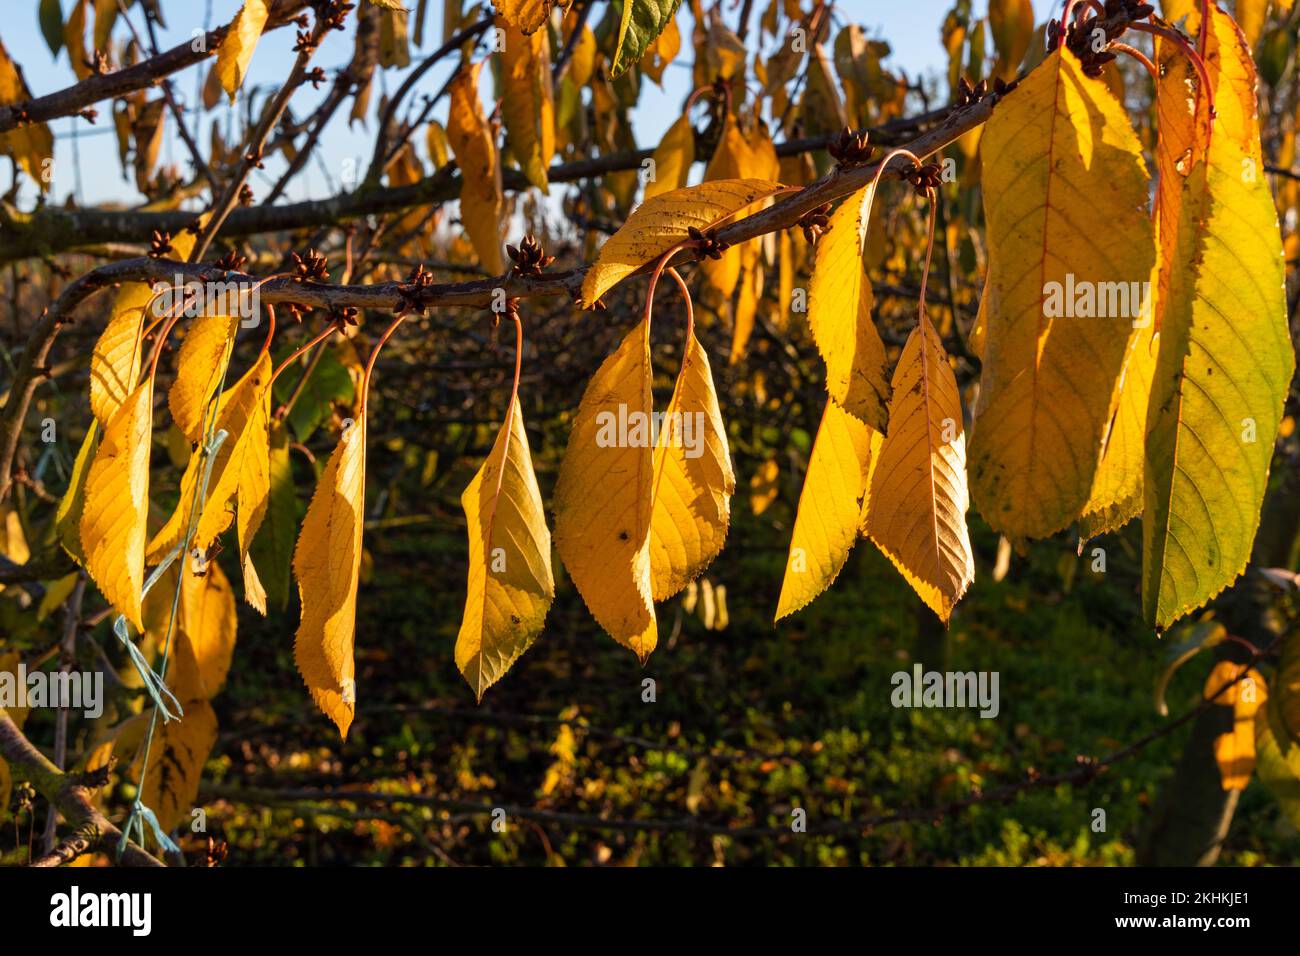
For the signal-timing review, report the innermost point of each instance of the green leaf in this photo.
(329, 382)
(1277, 760)
(640, 24)
(51, 16)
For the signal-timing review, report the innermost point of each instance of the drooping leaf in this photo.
(482, 201)
(918, 484)
(180, 749)
(1070, 247)
(510, 583)
(272, 551)
(672, 159)
(328, 384)
(206, 625)
(740, 155)
(1234, 751)
(604, 496)
(116, 509)
(327, 564)
(199, 368)
(660, 223)
(640, 23)
(839, 315)
(693, 480)
(116, 357)
(253, 490)
(833, 506)
(528, 106)
(30, 145)
(67, 519)
(51, 17)
(236, 50)
(1225, 360)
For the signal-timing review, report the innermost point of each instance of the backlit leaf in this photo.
(482, 201)
(237, 46)
(528, 106)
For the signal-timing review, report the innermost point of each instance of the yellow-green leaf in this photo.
(918, 484)
(639, 25)
(672, 158)
(199, 368)
(510, 585)
(1225, 360)
(839, 315)
(1070, 249)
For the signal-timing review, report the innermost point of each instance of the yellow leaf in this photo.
(180, 749)
(751, 293)
(510, 583)
(9, 666)
(693, 481)
(238, 468)
(763, 486)
(1250, 17)
(528, 105)
(918, 486)
(739, 156)
(832, 506)
(1012, 23)
(207, 625)
(660, 223)
(117, 505)
(1234, 751)
(13, 542)
(254, 487)
(31, 145)
(1067, 268)
(604, 496)
(525, 15)
(115, 359)
(327, 562)
(1225, 359)
(662, 52)
(237, 47)
(482, 201)
(74, 39)
(839, 315)
(199, 368)
(672, 159)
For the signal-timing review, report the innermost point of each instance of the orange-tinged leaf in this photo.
(693, 482)
(662, 222)
(528, 106)
(839, 315)
(1234, 751)
(30, 145)
(604, 496)
(327, 563)
(672, 158)
(832, 507)
(117, 505)
(1068, 261)
(918, 484)
(525, 15)
(207, 624)
(510, 585)
(482, 200)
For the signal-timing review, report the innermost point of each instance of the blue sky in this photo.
(89, 164)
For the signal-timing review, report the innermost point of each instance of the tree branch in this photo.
(142, 75)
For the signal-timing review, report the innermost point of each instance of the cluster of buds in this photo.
(344, 315)
(1081, 38)
(245, 195)
(97, 63)
(232, 261)
(968, 94)
(850, 148)
(310, 268)
(160, 244)
(815, 223)
(529, 257)
(410, 293)
(89, 114)
(923, 178)
(315, 76)
(707, 243)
